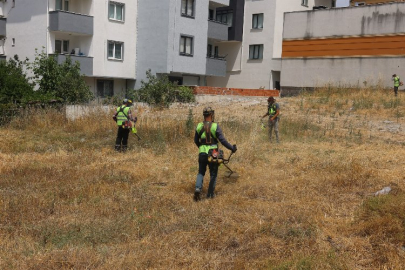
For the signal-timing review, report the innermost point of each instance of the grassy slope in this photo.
(69, 201)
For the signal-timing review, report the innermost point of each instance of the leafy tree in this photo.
(63, 81)
(14, 84)
(161, 92)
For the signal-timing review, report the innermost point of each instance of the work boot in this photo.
(117, 147)
(211, 195)
(124, 148)
(197, 194)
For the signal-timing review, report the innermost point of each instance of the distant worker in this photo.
(123, 118)
(397, 83)
(273, 111)
(207, 135)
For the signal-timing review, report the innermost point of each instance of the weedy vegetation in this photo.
(69, 201)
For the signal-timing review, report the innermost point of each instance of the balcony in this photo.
(63, 21)
(217, 30)
(86, 63)
(216, 67)
(3, 22)
(220, 3)
(3, 58)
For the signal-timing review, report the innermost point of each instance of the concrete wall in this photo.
(27, 25)
(153, 38)
(350, 21)
(360, 70)
(197, 28)
(105, 30)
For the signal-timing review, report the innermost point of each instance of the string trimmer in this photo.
(217, 156)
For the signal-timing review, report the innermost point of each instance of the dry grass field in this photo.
(69, 201)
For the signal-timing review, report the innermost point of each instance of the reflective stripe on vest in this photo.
(122, 115)
(204, 148)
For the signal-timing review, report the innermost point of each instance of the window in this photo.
(209, 50)
(105, 88)
(225, 16)
(211, 14)
(61, 46)
(115, 50)
(256, 51)
(62, 5)
(13, 42)
(187, 8)
(304, 3)
(186, 45)
(116, 11)
(216, 52)
(257, 21)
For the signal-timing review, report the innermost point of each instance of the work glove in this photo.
(234, 148)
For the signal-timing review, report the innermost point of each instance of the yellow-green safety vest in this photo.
(396, 81)
(272, 109)
(204, 147)
(122, 115)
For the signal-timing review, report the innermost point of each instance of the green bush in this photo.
(61, 81)
(160, 92)
(14, 84)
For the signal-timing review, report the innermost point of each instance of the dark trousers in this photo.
(396, 90)
(202, 168)
(122, 138)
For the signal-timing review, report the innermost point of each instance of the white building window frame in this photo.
(107, 88)
(188, 8)
(112, 50)
(257, 21)
(64, 46)
(225, 17)
(256, 51)
(186, 45)
(62, 5)
(113, 11)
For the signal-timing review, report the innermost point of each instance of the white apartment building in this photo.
(175, 43)
(255, 61)
(101, 35)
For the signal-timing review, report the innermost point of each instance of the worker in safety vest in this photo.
(207, 135)
(123, 117)
(273, 112)
(397, 82)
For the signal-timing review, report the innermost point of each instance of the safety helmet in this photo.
(270, 99)
(127, 101)
(208, 111)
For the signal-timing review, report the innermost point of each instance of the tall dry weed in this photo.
(68, 200)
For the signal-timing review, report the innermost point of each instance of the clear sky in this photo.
(342, 3)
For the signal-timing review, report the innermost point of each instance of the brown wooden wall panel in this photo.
(345, 47)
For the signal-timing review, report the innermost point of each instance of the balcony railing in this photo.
(86, 63)
(216, 66)
(63, 21)
(217, 30)
(3, 22)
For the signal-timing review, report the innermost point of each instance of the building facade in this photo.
(254, 61)
(177, 43)
(364, 47)
(97, 35)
